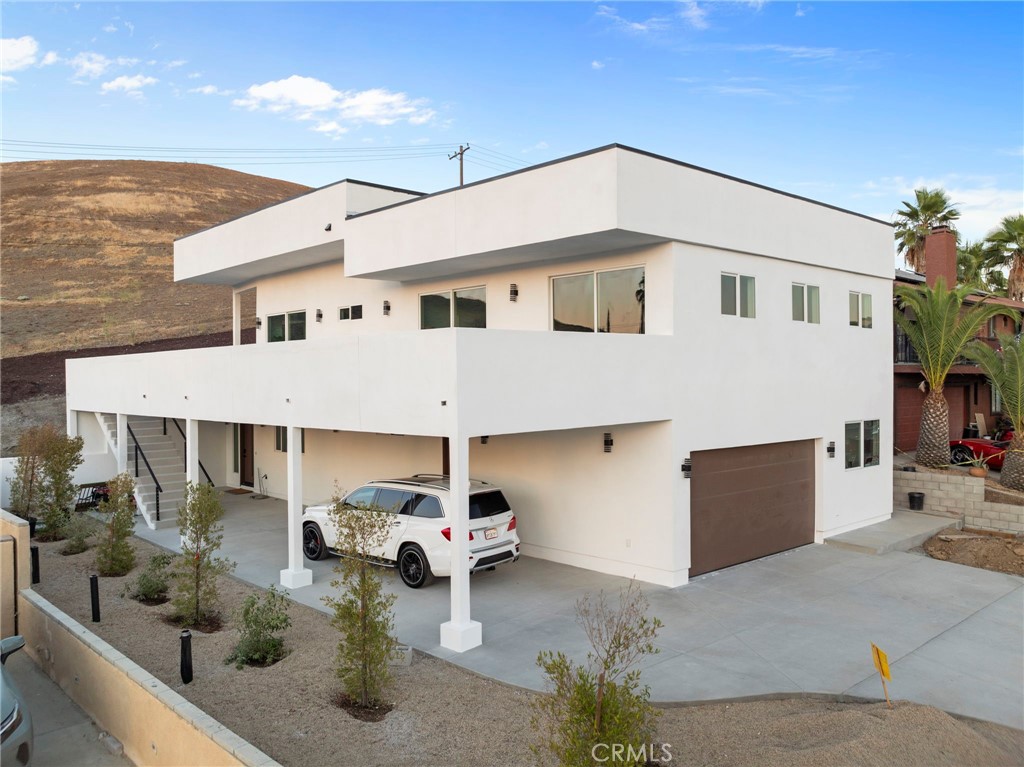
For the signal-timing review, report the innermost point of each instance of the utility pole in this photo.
(459, 154)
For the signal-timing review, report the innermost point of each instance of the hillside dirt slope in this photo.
(87, 247)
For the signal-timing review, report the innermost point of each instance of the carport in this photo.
(800, 621)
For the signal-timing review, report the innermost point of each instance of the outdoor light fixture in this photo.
(483, 440)
(831, 449)
(687, 468)
(259, 323)
(327, 228)
(513, 292)
(319, 315)
(387, 308)
(608, 442)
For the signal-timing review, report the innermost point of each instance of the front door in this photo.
(246, 461)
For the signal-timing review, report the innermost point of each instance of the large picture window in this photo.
(806, 303)
(611, 301)
(286, 327)
(467, 310)
(863, 444)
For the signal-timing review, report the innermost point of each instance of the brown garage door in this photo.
(749, 502)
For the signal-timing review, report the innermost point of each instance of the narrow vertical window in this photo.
(853, 445)
(854, 309)
(729, 294)
(872, 446)
(813, 304)
(234, 447)
(865, 310)
(798, 302)
(747, 297)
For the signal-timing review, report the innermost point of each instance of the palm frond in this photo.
(1005, 370)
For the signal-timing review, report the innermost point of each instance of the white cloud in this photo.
(597, 65)
(110, 28)
(653, 24)
(123, 61)
(176, 63)
(7, 79)
(792, 51)
(332, 110)
(17, 53)
(194, 75)
(132, 86)
(800, 11)
(694, 15)
(89, 64)
(210, 90)
(130, 27)
(50, 58)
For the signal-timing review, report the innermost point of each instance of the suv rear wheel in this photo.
(414, 568)
(313, 545)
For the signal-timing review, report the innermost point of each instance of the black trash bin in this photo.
(916, 501)
(971, 432)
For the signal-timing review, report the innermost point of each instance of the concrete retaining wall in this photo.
(957, 494)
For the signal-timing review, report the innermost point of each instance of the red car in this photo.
(991, 451)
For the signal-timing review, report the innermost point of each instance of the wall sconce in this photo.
(831, 449)
(387, 308)
(319, 315)
(687, 468)
(608, 442)
(259, 323)
(327, 228)
(483, 440)
(513, 292)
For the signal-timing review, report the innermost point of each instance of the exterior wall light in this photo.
(483, 440)
(831, 449)
(687, 468)
(387, 308)
(319, 315)
(327, 228)
(259, 323)
(513, 292)
(608, 442)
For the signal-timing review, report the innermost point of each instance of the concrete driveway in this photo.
(801, 621)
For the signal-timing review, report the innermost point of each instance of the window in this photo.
(351, 312)
(738, 292)
(806, 303)
(997, 399)
(361, 498)
(860, 309)
(281, 439)
(863, 444)
(469, 310)
(427, 507)
(394, 501)
(235, 441)
(286, 327)
(611, 301)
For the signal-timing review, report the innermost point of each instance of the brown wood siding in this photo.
(749, 502)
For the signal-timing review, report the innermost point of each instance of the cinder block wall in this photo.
(957, 495)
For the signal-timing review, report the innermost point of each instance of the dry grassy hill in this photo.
(90, 243)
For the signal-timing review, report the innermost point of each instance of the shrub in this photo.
(32, 445)
(152, 584)
(197, 569)
(600, 702)
(77, 532)
(363, 611)
(261, 619)
(114, 554)
(57, 490)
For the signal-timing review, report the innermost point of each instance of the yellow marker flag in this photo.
(881, 661)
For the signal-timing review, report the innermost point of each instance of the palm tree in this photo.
(972, 265)
(1005, 247)
(939, 329)
(1005, 369)
(914, 222)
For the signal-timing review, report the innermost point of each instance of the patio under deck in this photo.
(795, 622)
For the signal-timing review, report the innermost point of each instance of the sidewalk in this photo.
(64, 734)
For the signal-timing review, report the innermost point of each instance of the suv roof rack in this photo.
(447, 477)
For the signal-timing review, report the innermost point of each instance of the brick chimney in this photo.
(940, 256)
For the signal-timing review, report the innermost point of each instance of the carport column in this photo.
(122, 443)
(236, 319)
(296, 575)
(460, 633)
(191, 448)
(72, 423)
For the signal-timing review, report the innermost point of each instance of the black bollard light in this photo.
(186, 656)
(34, 555)
(94, 593)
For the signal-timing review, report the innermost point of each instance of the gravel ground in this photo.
(445, 715)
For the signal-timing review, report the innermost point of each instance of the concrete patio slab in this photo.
(800, 621)
(904, 531)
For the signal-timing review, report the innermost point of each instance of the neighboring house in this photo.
(657, 363)
(967, 389)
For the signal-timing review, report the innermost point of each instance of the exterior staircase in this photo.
(164, 452)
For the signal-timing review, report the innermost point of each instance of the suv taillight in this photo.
(512, 524)
(447, 533)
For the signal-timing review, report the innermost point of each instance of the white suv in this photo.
(420, 541)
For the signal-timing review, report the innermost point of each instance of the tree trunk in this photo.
(933, 441)
(1012, 475)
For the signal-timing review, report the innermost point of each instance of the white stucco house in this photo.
(666, 369)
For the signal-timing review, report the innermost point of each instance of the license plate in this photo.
(491, 533)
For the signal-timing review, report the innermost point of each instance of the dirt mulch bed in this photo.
(444, 715)
(978, 548)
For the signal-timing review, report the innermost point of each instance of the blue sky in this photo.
(854, 104)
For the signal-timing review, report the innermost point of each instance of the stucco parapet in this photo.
(245, 751)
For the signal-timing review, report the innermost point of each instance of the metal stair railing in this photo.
(185, 448)
(139, 451)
